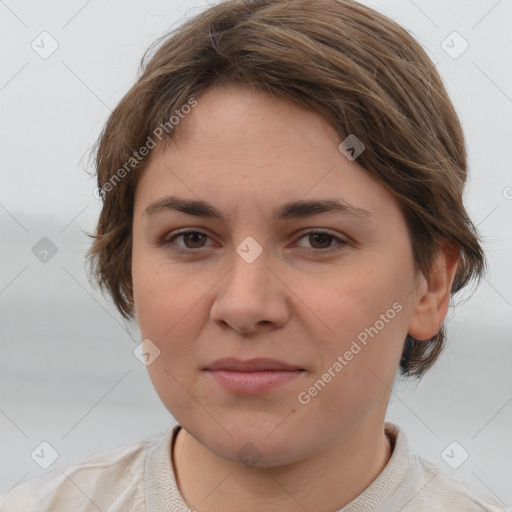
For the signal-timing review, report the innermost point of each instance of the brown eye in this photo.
(191, 239)
(194, 239)
(322, 242)
(321, 239)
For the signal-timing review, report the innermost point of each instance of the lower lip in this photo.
(253, 382)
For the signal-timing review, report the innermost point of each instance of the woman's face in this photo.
(334, 305)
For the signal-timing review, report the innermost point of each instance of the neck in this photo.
(325, 482)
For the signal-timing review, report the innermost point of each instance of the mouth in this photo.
(253, 376)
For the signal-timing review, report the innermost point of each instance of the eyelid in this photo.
(324, 231)
(167, 240)
(341, 241)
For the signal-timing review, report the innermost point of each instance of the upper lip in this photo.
(252, 365)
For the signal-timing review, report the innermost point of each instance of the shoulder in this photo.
(438, 488)
(94, 483)
(413, 483)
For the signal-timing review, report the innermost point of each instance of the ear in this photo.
(432, 296)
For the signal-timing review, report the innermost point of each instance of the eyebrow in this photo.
(294, 209)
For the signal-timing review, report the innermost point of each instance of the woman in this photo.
(283, 217)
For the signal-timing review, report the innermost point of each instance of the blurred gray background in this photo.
(68, 375)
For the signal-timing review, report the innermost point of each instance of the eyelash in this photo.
(341, 242)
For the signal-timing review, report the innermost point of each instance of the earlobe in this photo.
(433, 296)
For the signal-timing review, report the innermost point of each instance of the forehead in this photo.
(247, 121)
(245, 151)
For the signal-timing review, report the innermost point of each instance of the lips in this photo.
(253, 365)
(253, 376)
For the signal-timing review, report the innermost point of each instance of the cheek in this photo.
(356, 364)
(171, 308)
(162, 293)
(366, 312)
(167, 307)
(170, 312)
(352, 299)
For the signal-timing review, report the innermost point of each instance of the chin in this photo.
(254, 445)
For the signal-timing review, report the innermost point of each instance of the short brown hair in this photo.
(360, 70)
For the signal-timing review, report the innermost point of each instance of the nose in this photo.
(250, 297)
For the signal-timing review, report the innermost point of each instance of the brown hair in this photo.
(360, 70)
